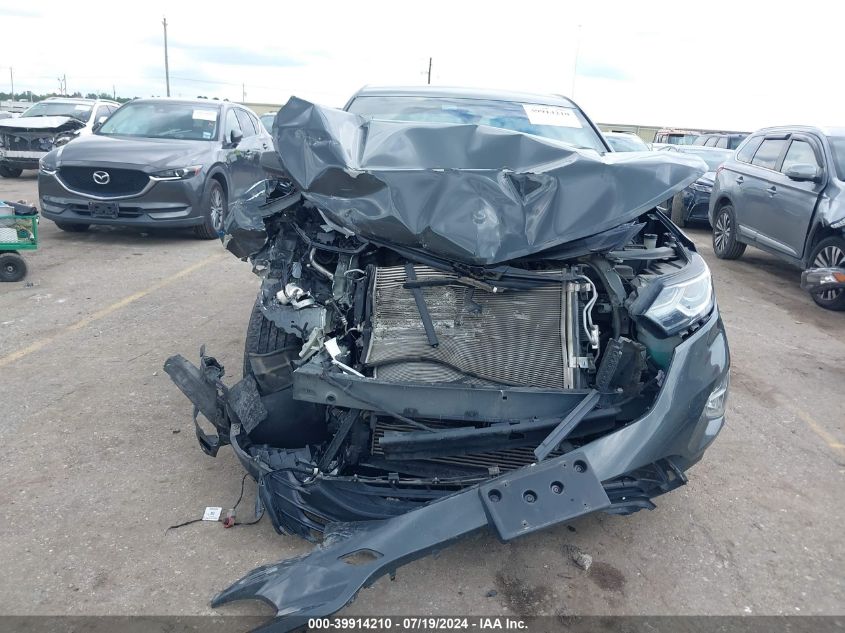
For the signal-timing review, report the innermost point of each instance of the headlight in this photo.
(681, 304)
(47, 168)
(702, 187)
(180, 173)
(718, 399)
(838, 224)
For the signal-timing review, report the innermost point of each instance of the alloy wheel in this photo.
(722, 231)
(830, 257)
(217, 208)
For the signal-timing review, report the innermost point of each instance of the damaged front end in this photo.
(23, 141)
(441, 344)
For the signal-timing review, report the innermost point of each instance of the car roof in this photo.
(824, 130)
(77, 100)
(204, 102)
(621, 134)
(463, 93)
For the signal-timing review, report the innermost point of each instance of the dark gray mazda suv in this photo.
(156, 162)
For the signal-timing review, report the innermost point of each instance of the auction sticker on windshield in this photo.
(205, 115)
(550, 115)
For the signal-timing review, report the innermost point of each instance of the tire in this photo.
(73, 227)
(12, 267)
(290, 423)
(725, 243)
(215, 207)
(10, 172)
(678, 210)
(829, 253)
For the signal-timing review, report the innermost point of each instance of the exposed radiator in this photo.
(517, 337)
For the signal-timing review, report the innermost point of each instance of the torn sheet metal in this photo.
(474, 193)
(354, 555)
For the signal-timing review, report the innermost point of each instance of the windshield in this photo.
(837, 145)
(626, 143)
(81, 111)
(185, 121)
(267, 121)
(560, 123)
(681, 139)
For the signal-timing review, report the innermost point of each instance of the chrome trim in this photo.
(147, 187)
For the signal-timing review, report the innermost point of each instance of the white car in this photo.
(46, 124)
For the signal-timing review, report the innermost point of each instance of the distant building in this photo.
(14, 106)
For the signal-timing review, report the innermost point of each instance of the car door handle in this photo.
(739, 180)
(771, 191)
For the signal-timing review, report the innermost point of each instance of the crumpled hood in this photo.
(46, 123)
(146, 154)
(707, 179)
(474, 193)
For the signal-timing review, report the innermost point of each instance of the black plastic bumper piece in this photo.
(354, 555)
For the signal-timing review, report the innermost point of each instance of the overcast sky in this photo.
(731, 65)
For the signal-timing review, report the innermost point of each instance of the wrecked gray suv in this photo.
(471, 315)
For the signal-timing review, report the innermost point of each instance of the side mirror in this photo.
(235, 137)
(97, 125)
(803, 172)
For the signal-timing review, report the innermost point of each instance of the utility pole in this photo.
(243, 93)
(62, 85)
(166, 62)
(113, 93)
(575, 65)
(429, 71)
(12, 78)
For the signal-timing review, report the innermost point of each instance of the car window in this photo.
(102, 111)
(711, 142)
(799, 153)
(747, 151)
(163, 119)
(246, 123)
(837, 146)
(735, 141)
(769, 152)
(700, 140)
(256, 123)
(722, 142)
(232, 125)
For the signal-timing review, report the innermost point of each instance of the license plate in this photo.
(103, 209)
(541, 495)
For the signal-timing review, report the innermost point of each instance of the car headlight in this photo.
(702, 187)
(46, 167)
(681, 304)
(180, 173)
(838, 224)
(718, 399)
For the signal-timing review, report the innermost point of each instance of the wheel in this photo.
(725, 243)
(829, 253)
(12, 267)
(73, 227)
(678, 210)
(215, 206)
(290, 423)
(10, 172)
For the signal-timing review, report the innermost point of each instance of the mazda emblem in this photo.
(101, 177)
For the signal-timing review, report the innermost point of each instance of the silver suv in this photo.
(45, 125)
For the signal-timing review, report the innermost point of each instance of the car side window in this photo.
(245, 123)
(747, 151)
(700, 140)
(103, 113)
(769, 152)
(232, 125)
(711, 142)
(799, 153)
(722, 142)
(259, 128)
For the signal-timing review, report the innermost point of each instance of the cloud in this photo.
(600, 70)
(14, 12)
(237, 56)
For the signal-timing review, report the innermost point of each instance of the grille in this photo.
(505, 459)
(122, 182)
(515, 339)
(17, 143)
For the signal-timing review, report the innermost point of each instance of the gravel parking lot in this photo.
(100, 457)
